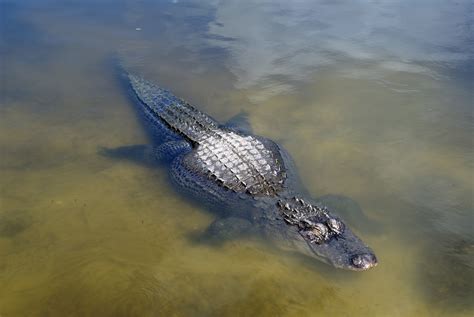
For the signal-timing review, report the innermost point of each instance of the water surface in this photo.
(372, 98)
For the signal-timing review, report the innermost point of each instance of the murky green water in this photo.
(373, 99)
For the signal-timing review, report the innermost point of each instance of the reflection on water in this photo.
(286, 41)
(372, 99)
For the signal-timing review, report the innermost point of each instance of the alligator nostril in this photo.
(364, 261)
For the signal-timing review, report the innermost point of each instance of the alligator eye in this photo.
(320, 231)
(335, 225)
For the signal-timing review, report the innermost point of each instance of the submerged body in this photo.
(251, 177)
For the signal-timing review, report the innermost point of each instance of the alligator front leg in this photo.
(226, 229)
(148, 154)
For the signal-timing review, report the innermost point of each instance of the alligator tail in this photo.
(178, 115)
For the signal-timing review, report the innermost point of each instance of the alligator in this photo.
(253, 179)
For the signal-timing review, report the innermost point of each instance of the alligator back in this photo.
(236, 162)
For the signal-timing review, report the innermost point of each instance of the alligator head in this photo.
(313, 231)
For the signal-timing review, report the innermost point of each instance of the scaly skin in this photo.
(247, 175)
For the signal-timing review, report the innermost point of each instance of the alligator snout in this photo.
(364, 261)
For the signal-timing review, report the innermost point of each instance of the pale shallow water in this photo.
(373, 100)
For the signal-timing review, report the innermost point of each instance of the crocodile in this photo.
(254, 179)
